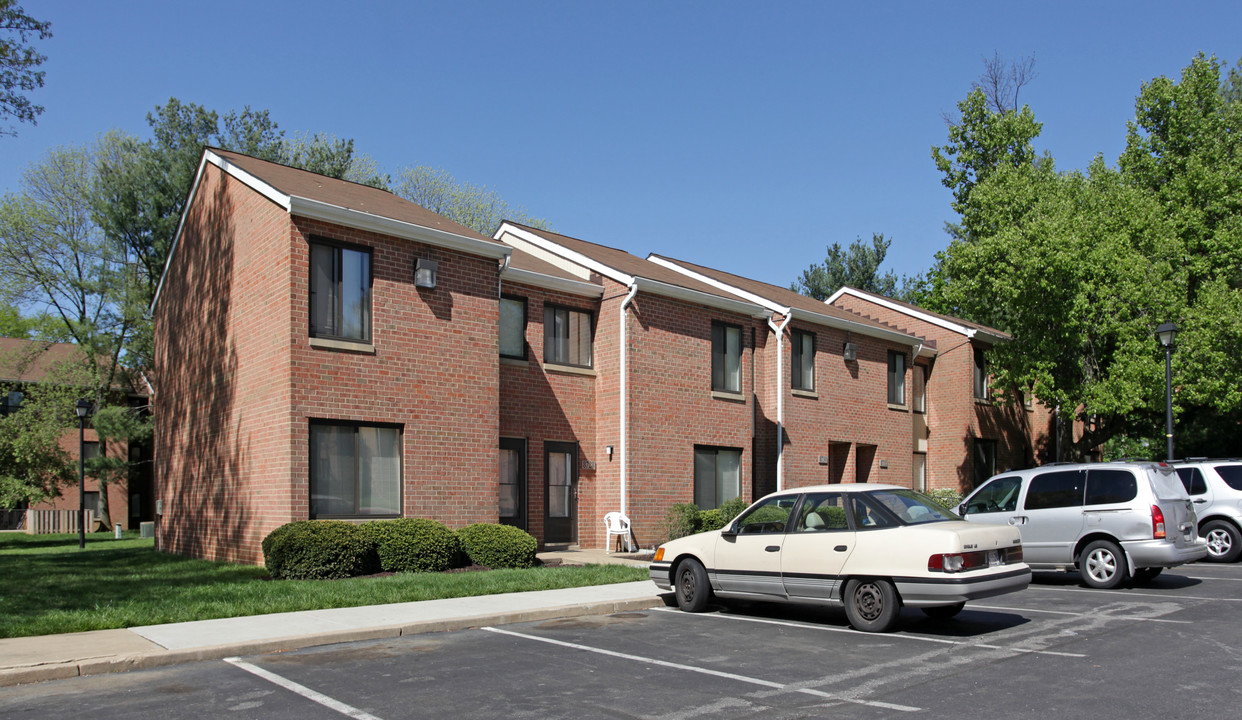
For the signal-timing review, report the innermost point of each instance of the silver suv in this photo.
(1112, 521)
(1215, 486)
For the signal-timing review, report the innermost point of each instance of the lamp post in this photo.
(1167, 332)
(83, 408)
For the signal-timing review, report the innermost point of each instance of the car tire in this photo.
(943, 612)
(1103, 565)
(1224, 542)
(871, 605)
(691, 586)
(1147, 574)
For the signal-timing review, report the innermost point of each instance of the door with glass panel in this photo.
(560, 492)
(513, 482)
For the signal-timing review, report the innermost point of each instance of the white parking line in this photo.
(851, 631)
(1078, 614)
(1128, 593)
(1195, 577)
(342, 708)
(707, 671)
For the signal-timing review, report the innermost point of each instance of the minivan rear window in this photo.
(1110, 486)
(1166, 484)
(1054, 490)
(1231, 474)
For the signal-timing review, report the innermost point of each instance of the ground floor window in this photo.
(717, 475)
(355, 470)
(984, 460)
(513, 482)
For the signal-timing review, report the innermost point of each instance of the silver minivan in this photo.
(1110, 521)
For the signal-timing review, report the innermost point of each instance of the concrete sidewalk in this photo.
(53, 657)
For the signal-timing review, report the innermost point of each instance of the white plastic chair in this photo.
(617, 524)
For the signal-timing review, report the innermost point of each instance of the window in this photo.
(1192, 480)
(90, 449)
(10, 402)
(1231, 474)
(920, 388)
(822, 512)
(918, 466)
(896, 378)
(981, 375)
(90, 501)
(513, 327)
(985, 460)
(1000, 495)
(566, 336)
(726, 357)
(769, 516)
(340, 292)
(1105, 487)
(1054, 490)
(802, 372)
(513, 481)
(355, 470)
(717, 476)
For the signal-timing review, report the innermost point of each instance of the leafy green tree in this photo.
(33, 466)
(858, 267)
(19, 63)
(476, 207)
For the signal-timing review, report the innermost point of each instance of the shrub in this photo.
(711, 520)
(682, 520)
(498, 546)
(732, 508)
(948, 497)
(316, 550)
(413, 545)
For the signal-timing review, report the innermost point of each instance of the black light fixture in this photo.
(425, 272)
(83, 408)
(1167, 332)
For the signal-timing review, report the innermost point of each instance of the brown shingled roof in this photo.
(925, 311)
(342, 193)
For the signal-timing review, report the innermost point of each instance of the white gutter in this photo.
(624, 304)
(500, 278)
(780, 400)
(551, 282)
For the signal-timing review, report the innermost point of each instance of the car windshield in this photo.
(912, 508)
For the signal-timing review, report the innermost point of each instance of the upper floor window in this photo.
(513, 327)
(340, 291)
(919, 392)
(896, 378)
(726, 357)
(981, 375)
(802, 374)
(567, 336)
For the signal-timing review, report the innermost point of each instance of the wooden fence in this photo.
(40, 522)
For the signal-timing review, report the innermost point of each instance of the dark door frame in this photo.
(564, 529)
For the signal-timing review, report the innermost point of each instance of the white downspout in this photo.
(500, 283)
(624, 304)
(780, 398)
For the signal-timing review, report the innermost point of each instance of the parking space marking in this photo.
(851, 631)
(337, 705)
(708, 671)
(1195, 577)
(1078, 614)
(1127, 594)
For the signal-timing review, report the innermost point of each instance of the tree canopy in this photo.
(19, 63)
(857, 266)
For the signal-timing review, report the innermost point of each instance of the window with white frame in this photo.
(802, 370)
(355, 470)
(726, 357)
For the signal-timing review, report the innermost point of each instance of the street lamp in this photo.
(83, 408)
(1166, 332)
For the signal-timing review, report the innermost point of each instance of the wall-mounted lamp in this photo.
(850, 352)
(608, 450)
(425, 273)
(883, 464)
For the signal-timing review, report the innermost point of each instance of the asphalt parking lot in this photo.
(1172, 649)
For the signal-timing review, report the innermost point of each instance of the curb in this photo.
(166, 658)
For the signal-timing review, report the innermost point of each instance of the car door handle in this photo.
(1200, 501)
(773, 548)
(840, 548)
(1017, 520)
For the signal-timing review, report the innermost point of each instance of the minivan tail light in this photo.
(1157, 523)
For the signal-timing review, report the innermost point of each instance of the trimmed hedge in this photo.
(316, 550)
(498, 546)
(413, 545)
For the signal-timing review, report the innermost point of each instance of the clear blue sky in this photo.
(744, 136)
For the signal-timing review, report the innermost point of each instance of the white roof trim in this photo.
(925, 317)
(558, 249)
(896, 336)
(677, 292)
(172, 251)
(551, 282)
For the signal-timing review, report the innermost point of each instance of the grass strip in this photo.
(51, 586)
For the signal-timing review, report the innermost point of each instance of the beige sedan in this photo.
(870, 548)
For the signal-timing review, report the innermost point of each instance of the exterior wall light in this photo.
(425, 273)
(850, 352)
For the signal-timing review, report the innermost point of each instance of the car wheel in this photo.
(944, 612)
(1103, 565)
(1224, 543)
(1147, 574)
(871, 605)
(693, 590)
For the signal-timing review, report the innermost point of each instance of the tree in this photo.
(1001, 81)
(19, 62)
(858, 267)
(33, 466)
(476, 207)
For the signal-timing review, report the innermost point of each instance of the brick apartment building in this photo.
(329, 350)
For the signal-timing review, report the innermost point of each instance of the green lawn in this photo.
(48, 585)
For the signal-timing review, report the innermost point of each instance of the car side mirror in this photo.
(961, 509)
(729, 531)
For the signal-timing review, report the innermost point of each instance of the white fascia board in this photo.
(925, 317)
(677, 292)
(316, 210)
(749, 296)
(895, 336)
(562, 251)
(551, 282)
